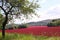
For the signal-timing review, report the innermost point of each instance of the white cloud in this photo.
(53, 7)
(43, 1)
(52, 13)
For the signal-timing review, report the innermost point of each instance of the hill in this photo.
(41, 23)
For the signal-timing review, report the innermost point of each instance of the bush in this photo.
(49, 24)
(54, 24)
(0, 27)
(22, 26)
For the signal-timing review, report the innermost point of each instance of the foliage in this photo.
(23, 26)
(54, 23)
(1, 20)
(27, 37)
(18, 8)
(16, 26)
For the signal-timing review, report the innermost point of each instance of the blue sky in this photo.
(50, 9)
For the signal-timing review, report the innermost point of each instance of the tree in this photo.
(16, 8)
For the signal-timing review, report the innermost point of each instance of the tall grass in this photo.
(26, 37)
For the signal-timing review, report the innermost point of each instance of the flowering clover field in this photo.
(37, 30)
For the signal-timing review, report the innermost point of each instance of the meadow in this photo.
(37, 30)
(33, 33)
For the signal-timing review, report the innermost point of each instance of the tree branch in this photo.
(2, 3)
(2, 9)
(10, 9)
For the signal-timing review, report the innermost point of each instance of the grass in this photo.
(26, 37)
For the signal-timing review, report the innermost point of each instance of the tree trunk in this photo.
(4, 24)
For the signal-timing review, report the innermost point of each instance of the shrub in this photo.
(22, 26)
(49, 24)
(0, 27)
(54, 24)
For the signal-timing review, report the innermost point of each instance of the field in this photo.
(37, 30)
(33, 33)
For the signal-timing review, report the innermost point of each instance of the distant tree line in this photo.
(54, 23)
(16, 26)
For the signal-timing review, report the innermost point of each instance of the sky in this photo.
(49, 9)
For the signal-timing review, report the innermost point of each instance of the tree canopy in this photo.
(17, 8)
